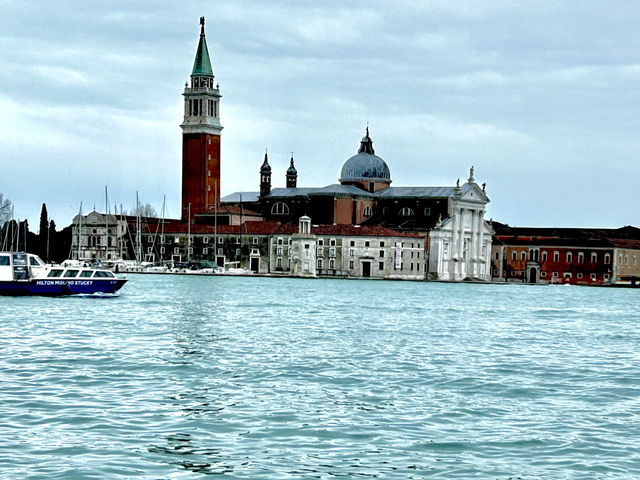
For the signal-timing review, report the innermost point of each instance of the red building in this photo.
(577, 256)
(201, 131)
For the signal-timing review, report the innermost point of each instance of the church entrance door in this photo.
(254, 264)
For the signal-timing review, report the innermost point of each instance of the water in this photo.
(255, 378)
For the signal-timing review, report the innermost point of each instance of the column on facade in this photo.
(461, 237)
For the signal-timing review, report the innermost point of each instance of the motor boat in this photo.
(26, 274)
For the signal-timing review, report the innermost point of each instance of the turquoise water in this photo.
(255, 378)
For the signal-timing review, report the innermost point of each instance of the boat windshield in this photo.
(35, 261)
(86, 273)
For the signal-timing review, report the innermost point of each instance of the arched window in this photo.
(368, 211)
(319, 264)
(280, 208)
(385, 212)
(406, 212)
(332, 263)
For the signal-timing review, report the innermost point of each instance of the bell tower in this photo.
(201, 131)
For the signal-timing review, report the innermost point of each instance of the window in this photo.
(255, 240)
(556, 256)
(279, 262)
(523, 256)
(237, 240)
(352, 243)
(4, 260)
(445, 249)
(633, 260)
(280, 208)
(497, 255)
(555, 274)
(190, 239)
(427, 212)
(579, 275)
(237, 252)
(280, 242)
(332, 251)
(161, 238)
(86, 273)
(543, 274)
(33, 261)
(381, 253)
(381, 266)
(352, 252)
(321, 242)
(593, 277)
(351, 264)
(205, 240)
(514, 255)
(626, 259)
(366, 243)
(594, 257)
(368, 211)
(605, 276)
(176, 250)
(406, 212)
(320, 250)
(319, 264)
(382, 244)
(219, 251)
(205, 251)
(70, 273)
(580, 257)
(161, 249)
(255, 251)
(620, 259)
(278, 250)
(569, 257)
(332, 263)
(54, 273)
(332, 242)
(220, 241)
(607, 258)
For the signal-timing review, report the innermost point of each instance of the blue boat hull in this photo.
(55, 287)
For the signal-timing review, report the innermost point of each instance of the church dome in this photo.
(365, 165)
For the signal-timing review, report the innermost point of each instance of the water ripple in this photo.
(256, 378)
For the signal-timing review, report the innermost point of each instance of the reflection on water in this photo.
(255, 378)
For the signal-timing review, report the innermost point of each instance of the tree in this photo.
(43, 234)
(144, 211)
(5, 209)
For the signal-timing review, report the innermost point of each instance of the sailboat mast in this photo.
(189, 235)
(106, 222)
(79, 231)
(138, 229)
(164, 201)
(215, 220)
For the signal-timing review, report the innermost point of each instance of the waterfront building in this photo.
(449, 219)
(577, 256)
(97, 236)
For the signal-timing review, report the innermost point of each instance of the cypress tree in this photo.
(43, 234)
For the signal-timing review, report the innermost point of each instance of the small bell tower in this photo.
(265, 177)
(201, 131)
(292, 175)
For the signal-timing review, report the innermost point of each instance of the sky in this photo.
(542, 98)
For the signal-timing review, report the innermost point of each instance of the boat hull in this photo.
(55, 287)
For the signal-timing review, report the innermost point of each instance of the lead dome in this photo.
(365, 166)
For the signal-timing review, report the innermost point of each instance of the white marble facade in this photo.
(460, 245)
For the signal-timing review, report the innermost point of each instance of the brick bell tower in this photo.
(201, 136)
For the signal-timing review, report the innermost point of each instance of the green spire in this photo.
(202, 63)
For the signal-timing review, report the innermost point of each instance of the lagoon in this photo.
(269, 378)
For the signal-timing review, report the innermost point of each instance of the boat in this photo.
(26, 274)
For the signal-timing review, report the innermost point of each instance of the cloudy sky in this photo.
(543, 98)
